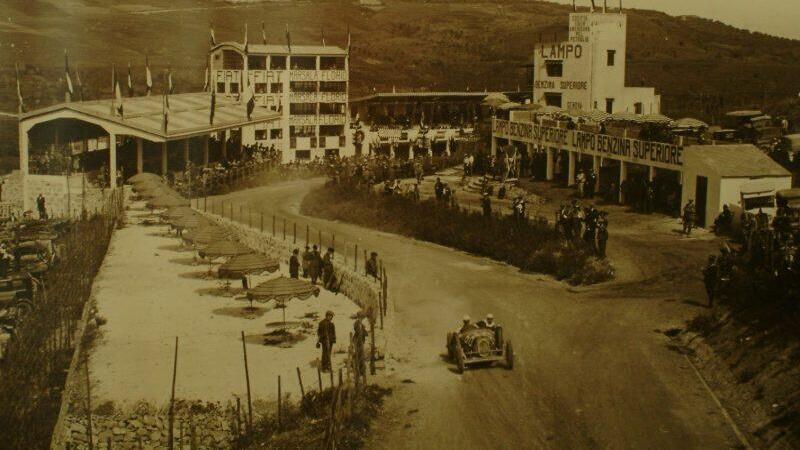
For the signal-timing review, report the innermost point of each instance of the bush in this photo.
(530, 245)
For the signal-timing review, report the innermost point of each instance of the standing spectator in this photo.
(294, 265)
(710, 278)
(602, 235)
(326, 337)
(688, 217)
(359, 338)
(315, 265)
(306, 261)
(371, 265)
(328, 279)
(438, 189)
(486, 205)
(41, 206)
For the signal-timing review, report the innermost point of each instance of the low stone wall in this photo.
(364, 291)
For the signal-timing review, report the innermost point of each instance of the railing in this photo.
(333, 75)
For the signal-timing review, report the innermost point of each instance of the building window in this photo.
(232, 60)
(331, 63)
(331, 152)
(261, 135)
(260, 88)
(276, 133)
(221, 88)
(303, 108)
(638, 108)
(610, 105)
(333, 86)
(277, 63)
(276, 88)
(257, 62)
(234, 88)
(302, 131)
(611, 55)
(331, 130)
(331, 108)
(554, 68)
(302, 154)
(303, 86)
(304, 63)
(552, 99)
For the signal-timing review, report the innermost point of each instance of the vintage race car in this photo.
(479, 346)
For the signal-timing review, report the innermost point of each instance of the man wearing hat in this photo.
(466, 325)
(326, 337)
(371, 267)
(359, 338)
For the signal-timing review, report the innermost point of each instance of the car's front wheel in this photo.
(509, 356)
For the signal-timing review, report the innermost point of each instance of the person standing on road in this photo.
(294, 264)
(602, 235)
(326, 337)
(688, 217)
(359, 338)
(371, 266)
(711, 279)
(306, 261)
(314, 265)
(41, 206)
(486, 205)
(328, 278)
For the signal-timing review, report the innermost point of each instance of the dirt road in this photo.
(593, 367)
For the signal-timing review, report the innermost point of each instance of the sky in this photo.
(775, 17)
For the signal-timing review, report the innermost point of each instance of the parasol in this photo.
(167, 201)
(177, 211)
(143, 177)
(625, 116)
(189, 221)
(549, 109)
(532, 106)
(247, 264)
(690, 123)
(598, 116)
(206, 235)
(495, 99)
(509, 105)
(656, 118)
(282, 289)
(225, 248)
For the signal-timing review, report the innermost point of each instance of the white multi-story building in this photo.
(587, 71)
(309, 85)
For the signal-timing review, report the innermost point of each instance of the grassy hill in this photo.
(701, 67)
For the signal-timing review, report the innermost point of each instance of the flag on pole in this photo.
(67, 80)
(263, 34)
(245, 38)
(213, 107)
(348, 41)
(130, 81)
(165, 110)
(118, 97)
(113, 88)
(20, 102)
(213, 38)
(206, 79)
(78, 83)
(148, 76)
(288, 39)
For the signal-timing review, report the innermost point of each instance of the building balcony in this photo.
(332, 97)
(302, 119)
(303, 97)
(332, 119)
(333, 75)
(303, 75)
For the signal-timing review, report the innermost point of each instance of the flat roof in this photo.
(380, 95)
(735, 160)
(189, 114)
(281, 49)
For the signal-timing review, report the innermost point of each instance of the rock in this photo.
(149, 421)
(135, 424)
(78, 428)
(118, 431)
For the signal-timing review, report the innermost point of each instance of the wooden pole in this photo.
(170, 437)
(262, 222)
(333, 242)
(319, 378)
(89, 433)
(319, 239)
(273, 225)
(294, 233)
(247, 379)
(300, 380)
(284, 228)
(306, 234)
(355, 259)
(372, 345)
(331, 372)
(279, 402)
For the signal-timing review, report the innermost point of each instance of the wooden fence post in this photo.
(247, 379)
(306, 235)
(319, 378)
(372, 346)
(171, 421)
(284, 228)
(294, 227)
(89, 433)
(355, 259)
(273, 225)
(300, 380)
(319, 239)
(279, 402)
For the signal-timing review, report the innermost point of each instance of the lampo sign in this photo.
(658, 154)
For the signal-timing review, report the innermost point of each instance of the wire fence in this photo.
(42, 347)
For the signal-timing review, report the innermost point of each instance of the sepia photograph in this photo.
(399, 224)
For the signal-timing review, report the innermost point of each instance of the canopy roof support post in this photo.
(164, 158)
(112, 160)
(549, 171)
(571, 168)
(651, 174)
(596, 163)
(139, 155)
(186, 153)
(23, 163)
(205, 150)
(225, 137)
(623, 175)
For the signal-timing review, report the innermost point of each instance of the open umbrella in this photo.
(177, 211)
(225, 248)
(625, 116)
(532, 106)
(495, 99)
(166, 201)
(689, 123)
(207, 235)
(549, 109)
(281, 290)
(190, 221)
(598, 116)
(248, 264)
(143, 177)
(509, 105)
(656, 118)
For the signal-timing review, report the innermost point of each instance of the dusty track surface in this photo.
(593, 368)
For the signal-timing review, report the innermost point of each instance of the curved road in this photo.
(592, 368)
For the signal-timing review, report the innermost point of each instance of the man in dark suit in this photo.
(326, 337)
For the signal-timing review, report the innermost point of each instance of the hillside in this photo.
(699, 66)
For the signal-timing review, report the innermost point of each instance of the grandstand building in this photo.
(308, 86)
(587, 71)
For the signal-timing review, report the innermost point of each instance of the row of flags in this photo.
(213, 38)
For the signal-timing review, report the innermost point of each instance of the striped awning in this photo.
(225, 248)
(282, 289)
(248, 264)
(206, 235)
